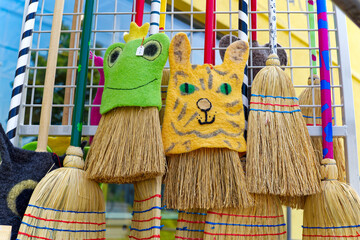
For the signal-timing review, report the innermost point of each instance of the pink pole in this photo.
(139, 12)
(253, 20)
(326, 108)
(209, 26)
(214, 38)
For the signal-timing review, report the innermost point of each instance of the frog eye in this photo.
(187, 88)
(152, 49)
(114, 55)
(225, 88)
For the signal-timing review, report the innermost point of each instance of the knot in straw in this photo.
(316, 80)
(74, 158)
(273, 60)
(328, 170)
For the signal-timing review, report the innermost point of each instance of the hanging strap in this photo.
(326, 114)
(272, 27)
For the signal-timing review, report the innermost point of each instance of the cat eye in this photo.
(187, 88)
(152, 50)
(225, 88)
(114, 55)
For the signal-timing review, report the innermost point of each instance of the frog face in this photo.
(133, 80)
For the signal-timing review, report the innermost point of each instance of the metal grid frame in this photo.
(338, 49)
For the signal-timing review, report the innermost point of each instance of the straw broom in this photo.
(280, 158)
(306, 98)
(201, 176)
(139, 158)
(65, 204)
(263, 221)
(148, 193)
(191, 224)
(335, 212)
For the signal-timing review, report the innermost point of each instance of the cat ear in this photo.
(225, 42)
(180, 50)
(237, 53)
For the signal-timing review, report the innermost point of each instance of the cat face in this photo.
(204, 105)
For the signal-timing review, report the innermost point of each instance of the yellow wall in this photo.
(296, 57)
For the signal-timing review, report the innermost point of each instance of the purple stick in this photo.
(95, 115)
(326, 108)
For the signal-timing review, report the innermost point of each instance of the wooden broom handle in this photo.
(47, 100)
(74, 40)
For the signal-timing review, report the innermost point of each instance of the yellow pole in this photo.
(163, 15)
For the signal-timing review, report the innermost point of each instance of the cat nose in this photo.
(204, 104)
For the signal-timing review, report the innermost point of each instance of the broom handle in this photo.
(74, 41)
(139, 12)
(326, 114)
(243, 34)
(214, 37)
(154, 16)
(209, 38)
(45, 116)
(163, 15)
(253, 20)
(311, 18)
(272, 27)
(81, 78)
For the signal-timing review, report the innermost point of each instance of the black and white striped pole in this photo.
(243, 35)
(23, 58)
(154, 16)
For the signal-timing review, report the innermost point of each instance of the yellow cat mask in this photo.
(204, 104)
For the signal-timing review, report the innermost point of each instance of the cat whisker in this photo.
(191, 118)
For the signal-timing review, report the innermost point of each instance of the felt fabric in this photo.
(20, 171)
(204, 104)
(258, 57)
(132, 80)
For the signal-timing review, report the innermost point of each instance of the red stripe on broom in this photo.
(335, 236)
(185, 238)
(279, 105)
(234, 215)
(157, 195)
(53, 220)
(32, 236)
(146, 220)
(187, 221)
(153, 236)
(245, 235)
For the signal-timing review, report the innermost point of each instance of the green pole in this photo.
(81, 78)
(311, 17)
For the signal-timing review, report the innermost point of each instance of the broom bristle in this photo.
(280, 157)
(264, 221)
(65, 205)
(147, 210)
(190, 224)
(127, 146)
(335, 212)
(205, 178)
(306, 98)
